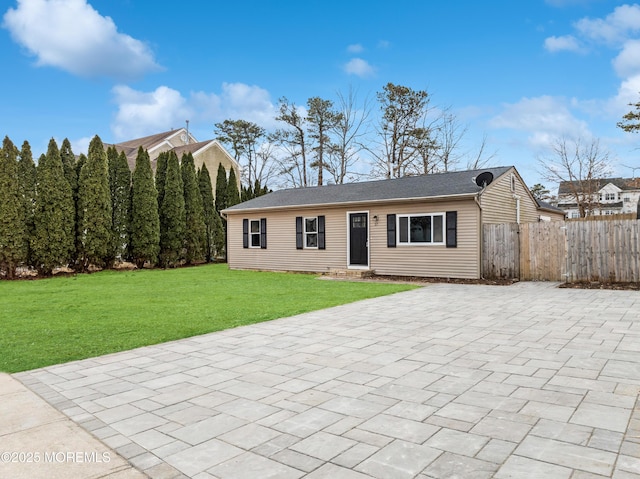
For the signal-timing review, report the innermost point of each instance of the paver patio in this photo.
(446, 381)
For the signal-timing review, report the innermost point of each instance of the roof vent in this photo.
(484, 179)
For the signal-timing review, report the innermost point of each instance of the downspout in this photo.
(517, 198)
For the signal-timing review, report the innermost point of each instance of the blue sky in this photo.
(520, 72)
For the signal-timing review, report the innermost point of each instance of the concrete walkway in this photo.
(447, 381)
(39, 442)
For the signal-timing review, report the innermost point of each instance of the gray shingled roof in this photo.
(564, 188)
(441, 184)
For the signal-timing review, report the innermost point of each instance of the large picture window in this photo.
(421, 229)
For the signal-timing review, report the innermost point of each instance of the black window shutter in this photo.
(263, 233)
(321, 240)
(298, 232)
(391, 231)
(452, 229)
(245, 233)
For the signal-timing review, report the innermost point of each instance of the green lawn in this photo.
(56, 320)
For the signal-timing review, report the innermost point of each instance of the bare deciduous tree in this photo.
(578, 164)
(348, 134)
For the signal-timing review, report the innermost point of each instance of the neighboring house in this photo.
(413, 226)
(209, 152)
(604, 196)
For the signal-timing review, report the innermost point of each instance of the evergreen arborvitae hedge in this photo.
(172, 215)
(53, 240)
(13, 232)
(233, 194)
(145, 222)
(94, 200)
(212, 221)
(27, 182)
(195, 231)
(161, 174)
(221, 189)
(120, 190)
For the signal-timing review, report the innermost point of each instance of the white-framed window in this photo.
(626, 199)
(421, 229)
(610, 196)
(311, 232)
(575, 214)
(254, 233)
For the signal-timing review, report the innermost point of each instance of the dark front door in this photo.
(358, 239)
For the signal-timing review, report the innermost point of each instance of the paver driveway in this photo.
(441, 382)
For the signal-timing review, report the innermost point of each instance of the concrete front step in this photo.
(350, 273)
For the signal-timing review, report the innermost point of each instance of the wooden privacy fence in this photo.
(559, 251)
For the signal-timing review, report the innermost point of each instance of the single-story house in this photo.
(427, 226)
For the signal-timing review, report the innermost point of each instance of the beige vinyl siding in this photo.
(213, 156)
(499, 205)
(281, 253)
(428, 260)
(404, 260)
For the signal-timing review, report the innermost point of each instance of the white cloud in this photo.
(248, 102)
(542, 118)
(81, 145)
(358, 67)
(614, 28)
(355, 48)
(141, 113)
(144, 113)
(563, 43)
(627, 63)
(73, 36)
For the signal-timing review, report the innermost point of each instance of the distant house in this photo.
(209, 152)
(413, 226)
(604, 196)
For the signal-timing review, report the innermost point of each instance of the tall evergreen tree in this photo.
(53, 240)
(161, 174)
(172, 215)
(233, 195)
(145, 222)
(195, 232)
(13, 238)
(27, 181)
(71, 173)
(78, 231)
(120, 189)
(213, 225)
(69, 165)
(221, 189)
(94, 200)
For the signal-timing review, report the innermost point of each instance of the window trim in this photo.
(301, 233)
(252, 233)
(306, 233)
(409, 243)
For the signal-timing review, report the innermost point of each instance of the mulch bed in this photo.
(602, 285)
(418, 279)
